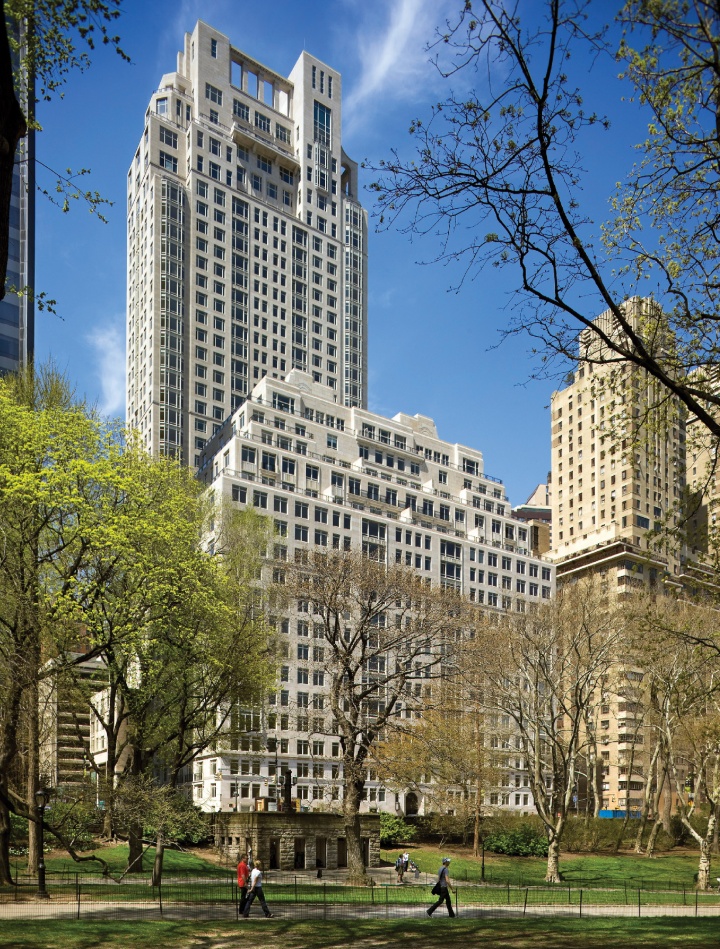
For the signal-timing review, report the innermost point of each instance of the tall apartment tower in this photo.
(618, 463)
(246, 243)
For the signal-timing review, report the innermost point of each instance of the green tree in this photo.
(387, 636)
(681, 661)
(58, 483)
(189, 637)
(498, 180)
(445, 758)
(544, 670)
(102, 555)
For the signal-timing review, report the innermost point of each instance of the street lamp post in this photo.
(42, 796)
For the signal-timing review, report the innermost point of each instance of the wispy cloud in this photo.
(107, 340)
(392, 52)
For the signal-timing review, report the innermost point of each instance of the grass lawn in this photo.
(423, 934)
(675, 869)
(174, 862)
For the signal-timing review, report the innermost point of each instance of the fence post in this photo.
(525, 904)
(324, 900)
(696, 902)
(456, 901)
(684, 900)
(77, 893)
(569, 896)
(387, 906)
(508, 889)
(626, 892)
(638, 901)
(160, 896)
(581, 902)
(296, 899)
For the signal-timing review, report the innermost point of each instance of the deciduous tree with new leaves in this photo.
(101, 555)
(388, 638)
(444, 756)
(544, 670)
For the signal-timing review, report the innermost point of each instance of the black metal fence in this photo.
(84, 897)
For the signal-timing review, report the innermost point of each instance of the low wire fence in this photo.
(85, 897)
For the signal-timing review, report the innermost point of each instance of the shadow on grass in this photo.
(685, 933)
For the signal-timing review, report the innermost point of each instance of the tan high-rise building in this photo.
(618, 474)
(618, 463)
(246, 243)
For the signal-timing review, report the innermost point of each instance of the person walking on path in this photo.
(243, 874)
(443, 888)
(399, 868)
(256, 889)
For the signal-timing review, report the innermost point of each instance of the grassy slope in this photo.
(675, 869)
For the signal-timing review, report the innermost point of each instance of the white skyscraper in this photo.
(246, 243)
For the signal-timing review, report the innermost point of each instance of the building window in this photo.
(168, 162)
(262, 122)
(213, 94)
(168, 138)
(321, 125)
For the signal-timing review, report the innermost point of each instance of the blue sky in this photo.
(431, 349)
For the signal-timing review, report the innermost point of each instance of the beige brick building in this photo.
(618, 467)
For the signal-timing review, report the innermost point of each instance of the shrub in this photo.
(522, 841)
(394, 830)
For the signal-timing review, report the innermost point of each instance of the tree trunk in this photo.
(638, 848)
(135, 848)
(5, 869)
(135, 830)
(553, 874)
(703, 880)
(33, 776)
(158, 864)
(352, 795)
(650, 850)
(649, 799)
(667, 802)
(476, 826)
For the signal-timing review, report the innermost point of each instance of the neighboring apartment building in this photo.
(246, 243)
(618, 473)
(17, 311)
(537, 514)
(340, 477)
(618, 467)
(67, 722)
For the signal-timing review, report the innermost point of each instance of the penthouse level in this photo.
(292, 442)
